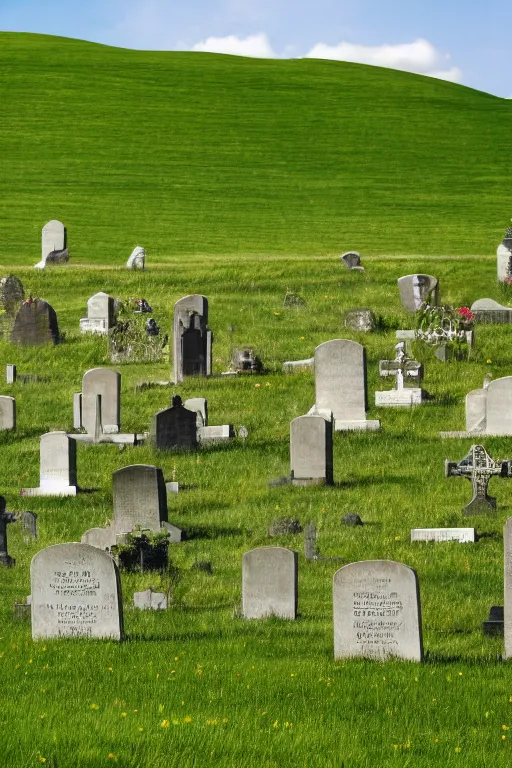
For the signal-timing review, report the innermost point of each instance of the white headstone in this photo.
(57, 470)
(137, 259)
(106, 383)
(53, 238)
(416, 290)
(462, 535)
(476, 410)
(499, 406)
(503, 257)
(377, 611)
(7, 412)
(269, 583)
(150, 601)
(200, 406)
(76, 592)
(100, 314)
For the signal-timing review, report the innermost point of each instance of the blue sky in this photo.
(466, 42)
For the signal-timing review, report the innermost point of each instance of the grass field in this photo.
(197, 686)
(188, 153)
(244, 179)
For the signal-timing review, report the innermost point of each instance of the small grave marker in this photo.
(462, 535)
(403, 369)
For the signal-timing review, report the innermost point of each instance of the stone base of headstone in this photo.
(293, 366)
(399, 397)
(174, 534)
(462, 535)
(495, 623)
(303, 481)
(94, 325)
(221, 432)
(461, 433)
(63, 490)
(118, 438)
(366, 425)
(150, 601)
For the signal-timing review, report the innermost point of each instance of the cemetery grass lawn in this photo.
(197, 685)
(202, 154)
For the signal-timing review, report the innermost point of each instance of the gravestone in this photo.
(57, 467)
(294, 366)
(377, 611)
(363, 320)
(200, 407)
(174, 427)
(499, 407)
(11, 294)
(311, 451)
(245, 361)
(340, 385)
(139, 497)
(462, 535)
(269, 583)
(476, 410)
(416, 290)
(53, 243)
(310, 547)
(488, 311)
(478, 468)
(100, 314)
(192, 339)
(5, 518)
(29, 524)
(35, 324)
(403, 369)
(77, 410)
(352, 260)
(106, 383)
(507, 587)
(137, 259)
(150, 601)
(495, 622)
(76, 592)
(102, 538)
(504, 260)
(7, 412)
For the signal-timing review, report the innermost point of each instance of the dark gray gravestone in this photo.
(35, 324)
(29, 523)
(310, 549)
(495, 623)
(352, 260)
(140, 498)
(174, 427)
(351, 519)
(58, 257)
(192, 339)
(478, 468)
(5, 519)
(11, 294)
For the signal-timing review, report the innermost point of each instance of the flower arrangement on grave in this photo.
(443, 325)
(135, 337)
(143, 550)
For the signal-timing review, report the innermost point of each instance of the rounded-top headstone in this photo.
(35, 324)
(11, 293)
(416, 290)
(76, 592)
(351, 519)
(377, 611)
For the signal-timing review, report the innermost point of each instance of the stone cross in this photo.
(402, 367)
(5, 518)
(478, 467)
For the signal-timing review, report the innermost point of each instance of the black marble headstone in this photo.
(174, 427)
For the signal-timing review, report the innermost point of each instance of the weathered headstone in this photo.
(7, 412)
(174, 427)
(495, 622)
(269, 583)
(35, 324)
(29, 523)
(462, 535)
(363, 320)
(310, 547)
(507, 587)
(100, 314)
(476, 411)
(416, 290)
(57, 468)
(340, 385)
(293, 366)
(137, 259)
(106, 383)
(245, 361)
(488, 311)
(76, 592)
(377, 611)
(504, 260)
(150, 601)
(102, 538)
(11, 294)
(352, 260)
(139, 497)
(311, 451)
(192, 339)
(478, 468)
(403, 369)
(53, 244)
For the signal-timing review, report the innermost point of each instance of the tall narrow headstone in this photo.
(76, 592)
(416, 290)
(174, 427)
(340, 384)
(311, 451)
(100, 314)
(269, 583)
(499, 406)
(35, 324)
(7, 412)
(192, 339)
(57, 469)
(504, 260)
(106, 383)
(507, 561)
(140, 498)
(377, 611)
(5, 518)
(53, 243)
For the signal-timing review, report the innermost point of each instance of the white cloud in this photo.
(256, 46)
(420, 57)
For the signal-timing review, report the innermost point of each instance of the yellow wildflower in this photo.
(164, 724)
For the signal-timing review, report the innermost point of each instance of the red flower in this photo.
(466, 314)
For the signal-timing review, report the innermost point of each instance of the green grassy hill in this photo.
(189, 153)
